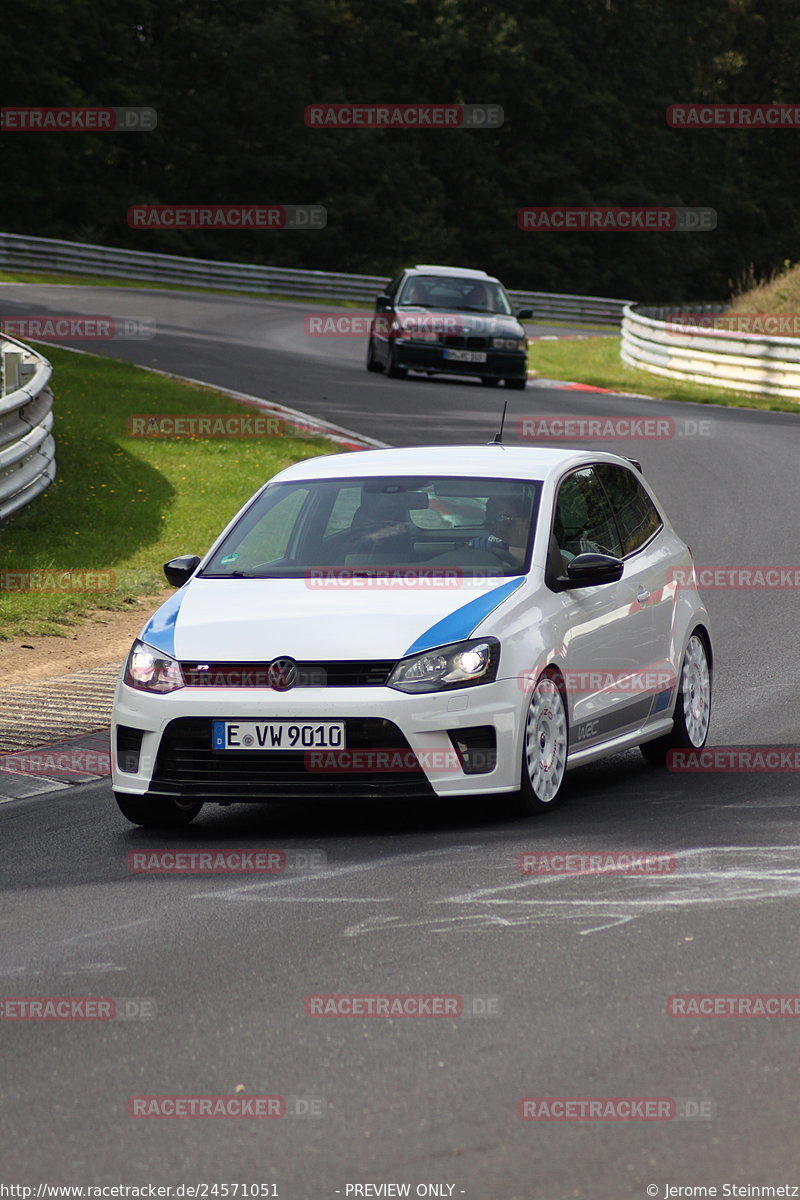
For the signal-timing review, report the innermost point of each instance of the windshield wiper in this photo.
(229, 575)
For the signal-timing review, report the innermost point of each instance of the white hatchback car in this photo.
(422, 622)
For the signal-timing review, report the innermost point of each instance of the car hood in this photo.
(256, 620)
(464, 324)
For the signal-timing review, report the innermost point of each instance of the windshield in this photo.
(455, 294)
(473, 526)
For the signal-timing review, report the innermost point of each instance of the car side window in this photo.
(636, 514)
(584, 522)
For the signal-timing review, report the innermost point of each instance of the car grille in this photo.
(309, 674)
(187, 766)
(456, 342)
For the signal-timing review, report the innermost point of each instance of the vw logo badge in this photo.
(282, 674)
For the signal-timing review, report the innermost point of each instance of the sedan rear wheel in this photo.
(545, 745)
(157, 814)
(516, 384)
(692, 713)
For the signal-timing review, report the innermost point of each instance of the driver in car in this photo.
(507, 535)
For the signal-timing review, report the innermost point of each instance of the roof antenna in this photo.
(497, 440)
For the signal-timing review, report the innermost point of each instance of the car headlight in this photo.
(463, 664)
(509, 343)
(152, 670)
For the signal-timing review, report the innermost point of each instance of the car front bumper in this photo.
(175, 757)
(499, 364)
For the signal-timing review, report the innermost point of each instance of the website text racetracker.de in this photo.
(602, 218)
(227, 216)
(46, 1191)
(594, 429)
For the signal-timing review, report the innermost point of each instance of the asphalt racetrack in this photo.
(567, 977)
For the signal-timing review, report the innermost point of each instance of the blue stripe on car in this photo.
(460, 624)
(662, 701)
(160, 629)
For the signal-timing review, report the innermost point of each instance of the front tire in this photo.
(392, 370)
(692, 714)
(157, 814)
(372, 362)
(544, 748)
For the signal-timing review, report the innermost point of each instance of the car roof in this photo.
(461, 272)
(489, 461)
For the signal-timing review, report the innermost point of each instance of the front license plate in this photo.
(277, 735)
(465, 355)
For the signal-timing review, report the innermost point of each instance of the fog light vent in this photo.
(129, 745)
(476, 748)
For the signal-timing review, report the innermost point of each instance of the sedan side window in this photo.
(584, 522)
(635, 512)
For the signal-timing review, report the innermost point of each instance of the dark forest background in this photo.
(584, 85)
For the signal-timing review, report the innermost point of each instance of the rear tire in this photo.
(489, 382)
(516, 385)
(692, 713)
(544, 748)
(157, 814)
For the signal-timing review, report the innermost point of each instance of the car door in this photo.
(608, 638)
(648, 558)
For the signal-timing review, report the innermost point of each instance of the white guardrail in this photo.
(27, 449)
(743, 362)
(51, 255)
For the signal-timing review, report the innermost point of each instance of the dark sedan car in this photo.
(448, 320)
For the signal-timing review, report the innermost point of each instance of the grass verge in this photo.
(596, 361)
(122, 505)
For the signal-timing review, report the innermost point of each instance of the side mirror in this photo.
(383, 304)
(525, 314)
(589, 570)
(178, 570)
